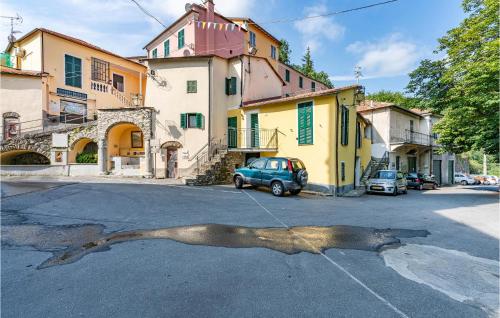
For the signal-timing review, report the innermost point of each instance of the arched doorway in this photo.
(83, 150)
(125, 149)
(170, 155)
(23, 157)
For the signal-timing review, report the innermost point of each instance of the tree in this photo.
(463, 86)
(397, 98)
(307, 63)
(285, 52)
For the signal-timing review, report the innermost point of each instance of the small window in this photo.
(253, 39)
(342, 170)
(180, 39)
(154, 53)
(273, 52)
(258, 164)
(192, 87)
(287, 76)
(100, 70)
(231, 86)
(192, 120)
(166, 48)
(313, 86)
(301, 82)
(273, 164)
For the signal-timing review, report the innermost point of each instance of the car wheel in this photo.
(295, 192)
(238, 182)
(277, 189)
(395, 192)
(420, 187)
(464, 183)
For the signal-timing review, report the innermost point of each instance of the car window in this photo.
(272, 164)
(284, 165)
(258, 164)
(297, 165)
(385, 175)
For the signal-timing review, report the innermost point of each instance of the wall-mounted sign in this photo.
(73, 108)
(72, 94)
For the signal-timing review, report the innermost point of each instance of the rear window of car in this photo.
(385, 175)
(297, 165)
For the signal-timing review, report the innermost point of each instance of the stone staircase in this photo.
(218, 170)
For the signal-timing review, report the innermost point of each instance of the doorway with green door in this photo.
(232, 132)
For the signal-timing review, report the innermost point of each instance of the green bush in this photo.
(86, 157)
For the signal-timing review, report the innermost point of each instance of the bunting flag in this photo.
(221, 26)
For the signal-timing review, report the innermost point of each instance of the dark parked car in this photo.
(420, 181)
(280, 174)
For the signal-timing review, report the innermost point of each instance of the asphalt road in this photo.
(165, 278)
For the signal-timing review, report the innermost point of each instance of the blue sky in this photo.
(386, 41)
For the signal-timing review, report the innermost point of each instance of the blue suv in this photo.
(280, 174)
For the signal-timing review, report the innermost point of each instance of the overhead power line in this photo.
(146, 12)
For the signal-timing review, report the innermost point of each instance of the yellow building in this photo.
(320, 128)
(81, 77)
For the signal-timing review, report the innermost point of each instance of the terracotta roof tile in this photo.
(15, 71)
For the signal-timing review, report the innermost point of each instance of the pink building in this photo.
(188, 36)
(296, 82)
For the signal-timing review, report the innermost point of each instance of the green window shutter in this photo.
(180, 39)
(342, 170)
(301, 82)
(183, 120)
(154, 53)
(199, 120)
(233, 86)
(166, 48)
(254, 125)
(344, 126)
(227, 86)
(73, 71)
(287, 76)
(305, 123)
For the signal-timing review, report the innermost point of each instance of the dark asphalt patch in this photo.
(69, 243)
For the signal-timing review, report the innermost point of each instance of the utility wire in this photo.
(146, 12)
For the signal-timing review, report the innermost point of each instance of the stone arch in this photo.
(171, 144)
(39, 144)
(89, 132)
(109, 118)
(79, 146)
(23, 157)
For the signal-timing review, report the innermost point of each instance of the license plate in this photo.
(377, 188)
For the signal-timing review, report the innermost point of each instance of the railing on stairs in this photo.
(375, 165)
(107, 88)
(206, 153)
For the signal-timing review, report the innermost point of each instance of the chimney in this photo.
(210, 32)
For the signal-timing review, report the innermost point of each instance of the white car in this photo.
(387, 181)
(464, 179)
(490, 180)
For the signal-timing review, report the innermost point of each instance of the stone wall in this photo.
(222, 170)
(39, 142)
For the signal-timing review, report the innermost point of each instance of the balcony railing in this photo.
(406, 136)
(135, 101)
(255, 139)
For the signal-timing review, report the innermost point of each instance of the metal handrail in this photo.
(252, 138)
(409, 136)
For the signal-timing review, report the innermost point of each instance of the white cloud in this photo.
(386, 57)
(315, 30)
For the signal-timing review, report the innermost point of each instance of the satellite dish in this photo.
(252, 50)
(11, 38)
(188, 7)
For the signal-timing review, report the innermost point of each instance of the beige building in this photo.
(192, 95)
(21, 96)
(80, 77)
(405, 137)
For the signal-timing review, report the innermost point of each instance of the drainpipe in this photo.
(336, 144)
(209, 104)
(241, 81)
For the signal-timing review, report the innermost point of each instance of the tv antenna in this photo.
(13, 20)
(357, 73)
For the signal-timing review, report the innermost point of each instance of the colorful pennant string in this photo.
(221, 26)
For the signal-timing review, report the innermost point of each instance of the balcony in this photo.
(406, 136)
(252, 140)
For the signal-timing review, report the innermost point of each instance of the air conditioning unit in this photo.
(252, 50)
(19, 52)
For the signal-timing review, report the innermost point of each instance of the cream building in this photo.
(405, 136)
